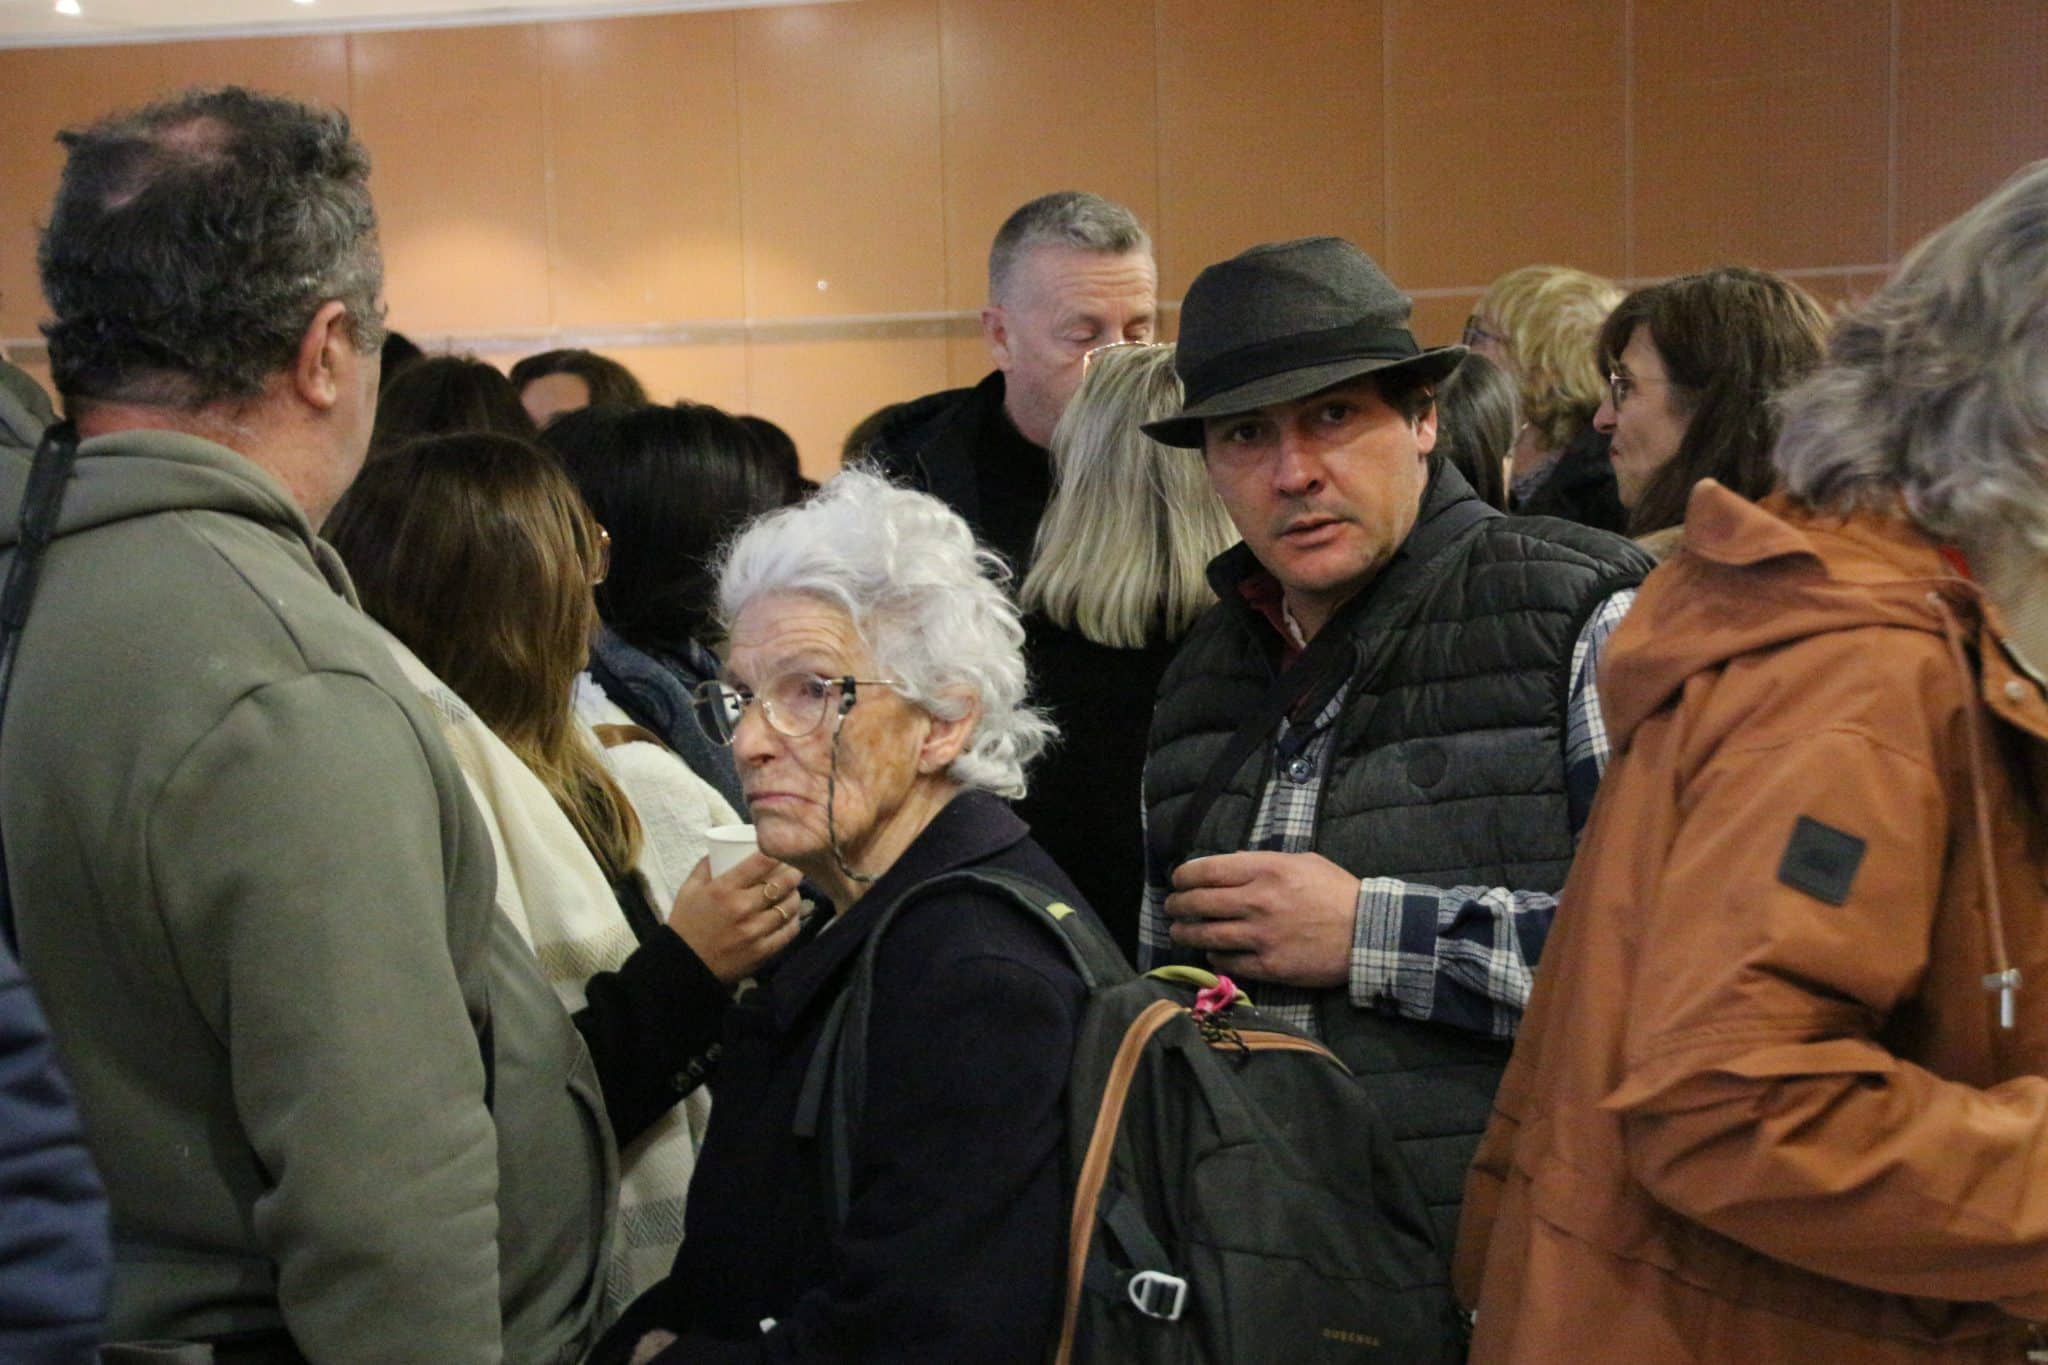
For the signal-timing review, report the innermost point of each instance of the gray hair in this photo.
(191, 243)
(1072, 218)
(928, 602)
(1935, 389)
(1123, 549)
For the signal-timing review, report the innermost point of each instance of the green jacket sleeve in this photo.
(303, 854)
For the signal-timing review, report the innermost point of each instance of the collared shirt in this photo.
(1462, 955)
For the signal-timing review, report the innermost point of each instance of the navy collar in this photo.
(972, 828)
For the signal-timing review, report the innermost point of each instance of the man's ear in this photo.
(995, 330)
(945, 739)
(328, 341)
(1425, 431)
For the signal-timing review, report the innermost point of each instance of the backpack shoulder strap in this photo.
(48, 474)
(835, 1083)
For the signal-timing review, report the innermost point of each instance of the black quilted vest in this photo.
(1447, 766)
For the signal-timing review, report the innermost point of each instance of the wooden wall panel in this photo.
(714, 374)
(1029, 110)
(1505, 124)
(52, 88)
(817, 390)
(1439, 319)
(840, 162)
(549, 180)
(1973, 104)
(312, 67)
(1301, 159)
(642, 143)
(452, 118)
(967, 360)
(1760, 133)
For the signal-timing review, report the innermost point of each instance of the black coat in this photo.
(953, 1245)
(650, 1026)
(1580, 487)
(1084, 801)
(961, 447)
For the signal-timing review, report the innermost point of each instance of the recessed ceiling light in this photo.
(69, 7)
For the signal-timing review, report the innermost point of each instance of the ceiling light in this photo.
(69, 7)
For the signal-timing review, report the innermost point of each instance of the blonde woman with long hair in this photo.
(1119, 573)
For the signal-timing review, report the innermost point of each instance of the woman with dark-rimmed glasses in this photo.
(873, 696)
(1694, 367)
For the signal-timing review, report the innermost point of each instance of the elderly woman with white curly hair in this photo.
(873, 695)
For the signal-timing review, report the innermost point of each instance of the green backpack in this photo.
(1236, 1197)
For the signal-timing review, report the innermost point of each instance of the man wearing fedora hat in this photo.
(1370, 761)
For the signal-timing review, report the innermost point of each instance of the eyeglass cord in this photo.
(846, 699)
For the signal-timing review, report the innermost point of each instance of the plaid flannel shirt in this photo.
(1462, 955)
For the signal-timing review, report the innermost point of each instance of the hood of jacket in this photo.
(1801, 573)
(24, 409)
(141, 473)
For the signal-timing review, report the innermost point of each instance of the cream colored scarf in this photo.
(551, 887)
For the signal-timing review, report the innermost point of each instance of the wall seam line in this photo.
(1895, 55)
(739, 126)
(945, 189)
(1628, 138)
(550, 203)
(1387, 132)
(1158, 139)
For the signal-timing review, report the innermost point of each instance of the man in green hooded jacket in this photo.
(250, 884)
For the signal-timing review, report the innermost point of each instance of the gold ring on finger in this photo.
(783, 911)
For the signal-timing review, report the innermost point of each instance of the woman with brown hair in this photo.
(440, 395)
(1693, 368)
(477, 554)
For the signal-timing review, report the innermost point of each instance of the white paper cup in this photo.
(728, 846)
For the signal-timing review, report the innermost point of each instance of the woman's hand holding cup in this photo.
(740, 918)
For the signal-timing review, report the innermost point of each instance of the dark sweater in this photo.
(962, 448)
(1580, 487)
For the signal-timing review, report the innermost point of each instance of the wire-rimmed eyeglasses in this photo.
(1620, 384)
(794, 704)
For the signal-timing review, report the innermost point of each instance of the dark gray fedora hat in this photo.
(1283, 321)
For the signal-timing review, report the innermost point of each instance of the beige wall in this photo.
(778, 209)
